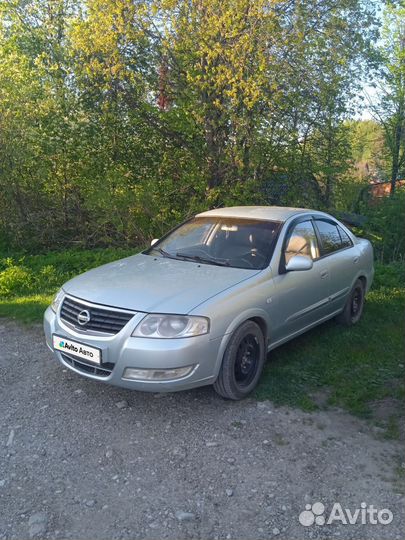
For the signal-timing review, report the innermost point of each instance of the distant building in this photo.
(383, 189)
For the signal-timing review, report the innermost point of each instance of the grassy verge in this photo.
(27, 309)
(360, 368)
(28, 282)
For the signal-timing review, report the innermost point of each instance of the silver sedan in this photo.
(205, 303)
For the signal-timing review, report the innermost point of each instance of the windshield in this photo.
(239, 243)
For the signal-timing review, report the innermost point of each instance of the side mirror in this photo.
(299, 262)
(154, 241)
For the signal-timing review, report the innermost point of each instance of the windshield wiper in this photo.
(204, 260)
(165, 253)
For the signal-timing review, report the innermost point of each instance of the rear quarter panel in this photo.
(366, 261)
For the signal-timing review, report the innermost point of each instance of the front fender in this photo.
(253, 313)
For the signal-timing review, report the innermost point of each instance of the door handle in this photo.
(324, 274)
(356, 260)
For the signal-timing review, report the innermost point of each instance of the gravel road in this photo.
(83, 460)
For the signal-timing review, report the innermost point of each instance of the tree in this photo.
(389, 108)
(121, 117)
(368, 150)
(41, 172)
(218, 52)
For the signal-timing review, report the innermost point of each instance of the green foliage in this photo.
(15, 280)
(390, 107)
(44, 274)
(27, 309)
(385, 226)
(348, 193)
(247, 92)
(389, 276)
(28, 282)
(368, 151)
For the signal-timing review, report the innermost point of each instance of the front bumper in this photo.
(121, 351)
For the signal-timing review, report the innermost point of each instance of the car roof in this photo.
(270, 213)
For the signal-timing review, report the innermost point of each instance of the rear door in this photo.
(302, 297)
(337, 248)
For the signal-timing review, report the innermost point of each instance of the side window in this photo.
(330, 236)
(302, 241)
(346, 242)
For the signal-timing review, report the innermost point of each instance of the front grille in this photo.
(109, 321)
(101, 371)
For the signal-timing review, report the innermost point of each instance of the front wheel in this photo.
(243, 362)
(353, 309)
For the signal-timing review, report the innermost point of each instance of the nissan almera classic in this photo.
(205, 303)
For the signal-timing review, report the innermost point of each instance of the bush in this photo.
(385, 226)
(48, 278)
(389, 276)
(15, 280)
(44, 274)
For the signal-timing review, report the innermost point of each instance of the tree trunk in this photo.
(213, 153)
(395, 154)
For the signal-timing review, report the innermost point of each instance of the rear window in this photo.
(346, 241)
(330, 236)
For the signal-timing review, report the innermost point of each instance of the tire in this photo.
(353, 309)
(243, 362)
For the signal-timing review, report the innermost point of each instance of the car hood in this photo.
(154, 284)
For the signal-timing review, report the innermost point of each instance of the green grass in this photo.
(28, 282)
(354, 368)
(28, 309)
(349, 367)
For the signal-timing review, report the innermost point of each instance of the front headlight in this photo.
(57, 300)
(171, 326)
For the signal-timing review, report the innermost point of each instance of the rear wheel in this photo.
(353, 309)
(243, 362)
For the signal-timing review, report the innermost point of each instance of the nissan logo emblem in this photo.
(83, 317)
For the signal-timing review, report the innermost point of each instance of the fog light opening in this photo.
(136, 374)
